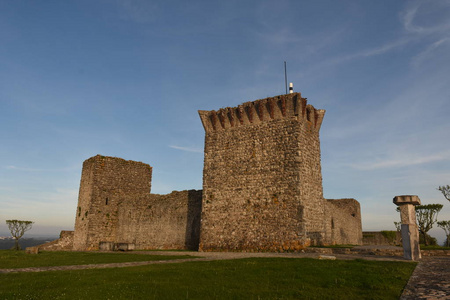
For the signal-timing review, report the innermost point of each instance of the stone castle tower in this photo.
(262, 181)
(105, 182)
(262, 190)
(115, 207)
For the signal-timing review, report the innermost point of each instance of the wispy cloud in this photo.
(403, 161)
(408, 19)
(369, 52)
(188, 149)
(138, 11)
(421, 9)
(428, 52)
(15, 168)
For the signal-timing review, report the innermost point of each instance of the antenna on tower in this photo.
(285, 77)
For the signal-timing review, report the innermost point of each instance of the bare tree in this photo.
(445, 190)
(446, 226)
(18, 228)
(426, 217)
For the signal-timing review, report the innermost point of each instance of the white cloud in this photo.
(404, 161)
(420, 10)
(428, 53)
(188, 149)
(385, 48)
(382, 49)
(408, 17)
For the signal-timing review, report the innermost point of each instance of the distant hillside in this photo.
(24, 242)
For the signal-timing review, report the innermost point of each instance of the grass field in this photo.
(252, 278)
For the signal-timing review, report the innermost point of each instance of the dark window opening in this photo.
(106, 201)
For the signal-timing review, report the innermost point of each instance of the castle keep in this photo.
(262, 190)
(262, 179)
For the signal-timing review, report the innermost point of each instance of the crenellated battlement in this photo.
(263, 110)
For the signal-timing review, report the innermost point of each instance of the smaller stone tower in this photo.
(105, 181)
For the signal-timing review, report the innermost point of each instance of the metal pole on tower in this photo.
(285, 77)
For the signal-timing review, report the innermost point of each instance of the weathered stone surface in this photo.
(409, 229)
(410, 240)
(115, 206)
(106, 246)
(344, 217)
(406, 199)
(379, 238)
(65, 242)
(262, 181)
(32, 250)
(262, 190)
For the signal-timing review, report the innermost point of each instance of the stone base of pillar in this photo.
(410, 240)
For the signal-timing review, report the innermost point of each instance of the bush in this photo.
(431, 240)
(391, 236)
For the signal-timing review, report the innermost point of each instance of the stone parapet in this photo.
(264, 110)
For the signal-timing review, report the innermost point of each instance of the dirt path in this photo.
(201, 256)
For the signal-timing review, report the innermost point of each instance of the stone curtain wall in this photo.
(389, 237)
(161, 221)
(115, 205)
(64, 243)
(344, 222)
(262, 183)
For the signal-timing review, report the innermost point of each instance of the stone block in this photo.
(410, 239)
(123, 246)
(106, 246)
(406, 199)
(32, 250)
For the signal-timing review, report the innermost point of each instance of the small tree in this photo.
(18, 228)
(445, 190)
(426, 217)
(446, 226)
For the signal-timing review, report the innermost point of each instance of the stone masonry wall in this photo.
(344, 219)
(262, 190)
(262, 184)
(161, 221)
(115, 205)
(393, 238)
(64, 243)
(104, 181)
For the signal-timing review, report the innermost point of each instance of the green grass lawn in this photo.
(19, 259)
(252, 278)
(434, 247)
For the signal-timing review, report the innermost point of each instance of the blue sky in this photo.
(125, 78)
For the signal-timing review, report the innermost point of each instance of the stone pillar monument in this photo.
(410, 232)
